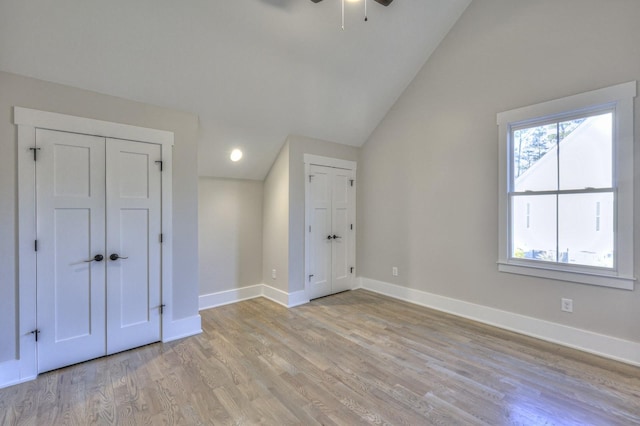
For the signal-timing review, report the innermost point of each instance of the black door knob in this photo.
(115, 256)
(97, 258)
(335, 237)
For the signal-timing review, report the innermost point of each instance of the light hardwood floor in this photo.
(352, 358)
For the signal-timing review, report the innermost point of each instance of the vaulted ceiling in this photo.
(254, 71)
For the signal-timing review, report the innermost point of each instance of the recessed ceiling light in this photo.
(236, 155)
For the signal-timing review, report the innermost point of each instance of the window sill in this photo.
(583, 277)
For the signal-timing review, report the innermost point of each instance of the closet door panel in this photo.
(134, 276)
(319, 283)
(133, 240)
(340, 223)
(70, 193)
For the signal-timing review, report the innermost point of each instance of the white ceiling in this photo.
(254, 71)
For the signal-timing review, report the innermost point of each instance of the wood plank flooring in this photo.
(352, 358)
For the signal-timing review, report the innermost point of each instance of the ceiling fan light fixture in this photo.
(382, 2)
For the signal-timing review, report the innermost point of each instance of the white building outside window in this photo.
(564, 163)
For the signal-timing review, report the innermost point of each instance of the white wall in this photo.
(428, 193)
(37, 94)
(229, 234)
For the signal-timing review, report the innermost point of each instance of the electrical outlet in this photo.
(394, 271)
(566, 305)
(273, 274)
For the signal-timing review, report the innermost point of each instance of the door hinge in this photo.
(35, 150)
(35, 245)
(162, 308)
(310, 176)
(162, 238)
(310, 276)
(351, 181)
(309, 228)
(161, 163)
(351, 269)
(35, 333)
(351, 226)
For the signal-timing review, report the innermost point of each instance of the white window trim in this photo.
(620, 97)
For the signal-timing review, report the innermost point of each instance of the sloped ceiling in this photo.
(254, 71)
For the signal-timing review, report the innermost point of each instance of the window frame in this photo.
(619, 100)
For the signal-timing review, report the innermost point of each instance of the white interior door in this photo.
(133, 242)
(320, 240)
(99, 250)
(341, 263)
(330, 257)
(70, 182)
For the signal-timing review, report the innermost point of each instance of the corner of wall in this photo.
(275, 225)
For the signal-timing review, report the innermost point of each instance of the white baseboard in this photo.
(599, 344)
(297, 298)
(11, 374)
(288, 300)
(181, 328)
(275, 295)
(222, 298)
(357, 283)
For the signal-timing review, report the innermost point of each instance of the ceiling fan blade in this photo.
(382, 2)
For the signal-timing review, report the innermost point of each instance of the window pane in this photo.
(535, 162)
(586, 229)
(586, 151)
(533, 226)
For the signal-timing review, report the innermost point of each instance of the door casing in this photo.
(27, 121)
(309, 161)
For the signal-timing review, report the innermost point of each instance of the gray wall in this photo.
(428, 195)
(275, 223)
(30, 93)
(230, 233)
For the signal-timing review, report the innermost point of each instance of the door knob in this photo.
(97, 258)
(329, 237)
(115, 256)
(335, 237)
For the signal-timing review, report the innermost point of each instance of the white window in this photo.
(557, 160)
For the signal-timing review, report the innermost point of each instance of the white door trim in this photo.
(28, 120)
(338, 163)
(89, 126)
(309, 160)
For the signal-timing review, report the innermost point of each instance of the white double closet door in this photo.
(98, 248)
(331, 242)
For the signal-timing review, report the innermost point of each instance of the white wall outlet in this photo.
(394, 271)
(566, 305)
(273, 274)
